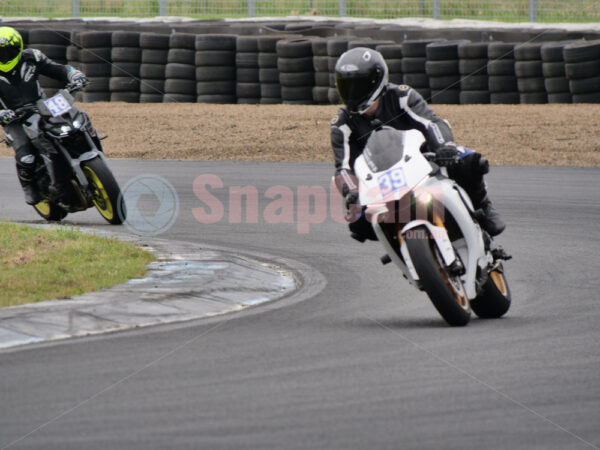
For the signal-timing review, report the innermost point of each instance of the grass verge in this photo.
(38, 264)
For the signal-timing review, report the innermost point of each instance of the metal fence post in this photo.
(76, 8)
(342, 8)
(532, 11)
(251, 8)
(162, 7)
(436, 9)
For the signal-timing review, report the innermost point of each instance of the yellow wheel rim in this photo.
(498, 280)
(101, 200)
(43, 207)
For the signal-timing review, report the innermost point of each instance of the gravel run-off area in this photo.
(553, 134)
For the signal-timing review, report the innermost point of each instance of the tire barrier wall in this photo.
(294, 63)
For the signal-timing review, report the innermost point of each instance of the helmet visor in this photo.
(9, 52)
(356, 91)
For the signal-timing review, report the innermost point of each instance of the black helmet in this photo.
(360, 76)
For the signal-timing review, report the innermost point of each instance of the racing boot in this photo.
(26, 173)
(491, 221)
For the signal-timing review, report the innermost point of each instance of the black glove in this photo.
(447, 155)
(351, 198)
(7, 116)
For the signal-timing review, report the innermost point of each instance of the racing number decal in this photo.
(57, 105)
(391, 180)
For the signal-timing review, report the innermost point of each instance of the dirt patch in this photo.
(506, 134)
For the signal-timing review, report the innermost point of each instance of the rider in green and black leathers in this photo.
(19, 72)
(361, 76)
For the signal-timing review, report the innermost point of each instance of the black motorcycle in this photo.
(72, 173)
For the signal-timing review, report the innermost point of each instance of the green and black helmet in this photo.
(11, 47)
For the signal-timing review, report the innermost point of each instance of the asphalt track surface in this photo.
(361, 362)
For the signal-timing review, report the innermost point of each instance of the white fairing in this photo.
(411, 175)
(411, 169)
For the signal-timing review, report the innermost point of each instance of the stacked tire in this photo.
(268, 73)
(247, 71)
(442, 68)
(367, 43)
(474, 79)
(530, 76)
(335, 48)
(296, 71)
(553, 68)
(95, 57)
(180, 72)
(155, 51)
(215, 68)
(53, 44)
(321, 67)
(501, 72)
(392, 53)
(414, 59)
(73, 50)
(24, 32)
(582, 68)
(126, 56)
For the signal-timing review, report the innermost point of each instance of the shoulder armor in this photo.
(401, 90)
(32, 54)
(340, 118)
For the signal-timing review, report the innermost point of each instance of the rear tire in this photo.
(108, 199)
(50, 211)
(494, 301)
(445, 291)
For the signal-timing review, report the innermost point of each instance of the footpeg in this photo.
(499, 253)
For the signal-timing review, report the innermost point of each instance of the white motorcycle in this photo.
(429, 229)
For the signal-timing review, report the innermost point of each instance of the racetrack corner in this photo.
(187, 281)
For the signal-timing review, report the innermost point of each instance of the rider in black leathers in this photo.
(19, 72)
(370, 102)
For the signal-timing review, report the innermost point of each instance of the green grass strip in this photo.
(40, 264)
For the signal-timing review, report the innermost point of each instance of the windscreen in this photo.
(384, 148)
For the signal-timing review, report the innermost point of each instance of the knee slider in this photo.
(484, 166)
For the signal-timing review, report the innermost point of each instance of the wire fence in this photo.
(500, 10)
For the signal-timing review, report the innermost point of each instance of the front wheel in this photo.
(107, 194)
(50, 211)
(445, 290)
(494, 300)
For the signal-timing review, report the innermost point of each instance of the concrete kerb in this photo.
(187, 281)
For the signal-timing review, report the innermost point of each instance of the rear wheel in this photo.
(107, 194)
(445, 290)
(50, 211)
(494, 301)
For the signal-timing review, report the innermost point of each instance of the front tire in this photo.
(445, 291)
(495, 299)
(107, 193)
(50, 211)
